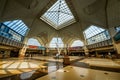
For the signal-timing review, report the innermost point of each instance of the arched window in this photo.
(34, 42)
(77, 43)
(56, 42)
(96, 34)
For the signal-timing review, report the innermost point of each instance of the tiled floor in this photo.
(49, 58)
(48, 68)
(77, 73)
(102, 62)
(15, 66)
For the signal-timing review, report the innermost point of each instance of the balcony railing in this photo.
(100, 44)
(10, 42)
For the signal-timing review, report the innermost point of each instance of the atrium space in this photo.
(59, 39)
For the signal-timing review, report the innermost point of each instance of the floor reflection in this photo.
(102, 62)
(26, 75)
(30, 69)
(26, 69)
(54, 66)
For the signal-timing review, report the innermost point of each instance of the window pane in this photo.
(34, 42)
(92, 30)
(95, 34)
(56, 42)
(77, 43)
(18, 26)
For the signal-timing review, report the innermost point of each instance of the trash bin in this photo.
(66, 60)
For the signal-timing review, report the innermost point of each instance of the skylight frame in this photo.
(53, 15)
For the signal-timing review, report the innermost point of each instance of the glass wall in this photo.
(34, 42)
(77, 43)
(95, 34)
(56, 42)
(15, 30)
(18, 26)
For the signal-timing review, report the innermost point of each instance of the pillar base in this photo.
(21, 55)
(118, 56)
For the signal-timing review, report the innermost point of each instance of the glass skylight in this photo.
(18, 26)
(56, 42)
(77, 43)
(59, 15)
(92, 30)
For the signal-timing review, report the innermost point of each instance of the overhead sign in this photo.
(36, 47)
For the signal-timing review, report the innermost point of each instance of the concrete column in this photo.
(7, 53)
(23, 50)
(65, 49)
(96, 54)
(86, 51)
(43, 52)
(46, 52)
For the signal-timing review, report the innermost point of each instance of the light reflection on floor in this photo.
(50, 58)
(55, 70)
(3, 72)
(18, 65)
(26, 67)
(54, 67)
(10, 67)
(26, 75)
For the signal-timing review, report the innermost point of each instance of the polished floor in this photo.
(78, 73)
(102, 62)
(48, 68)
(12, 66)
